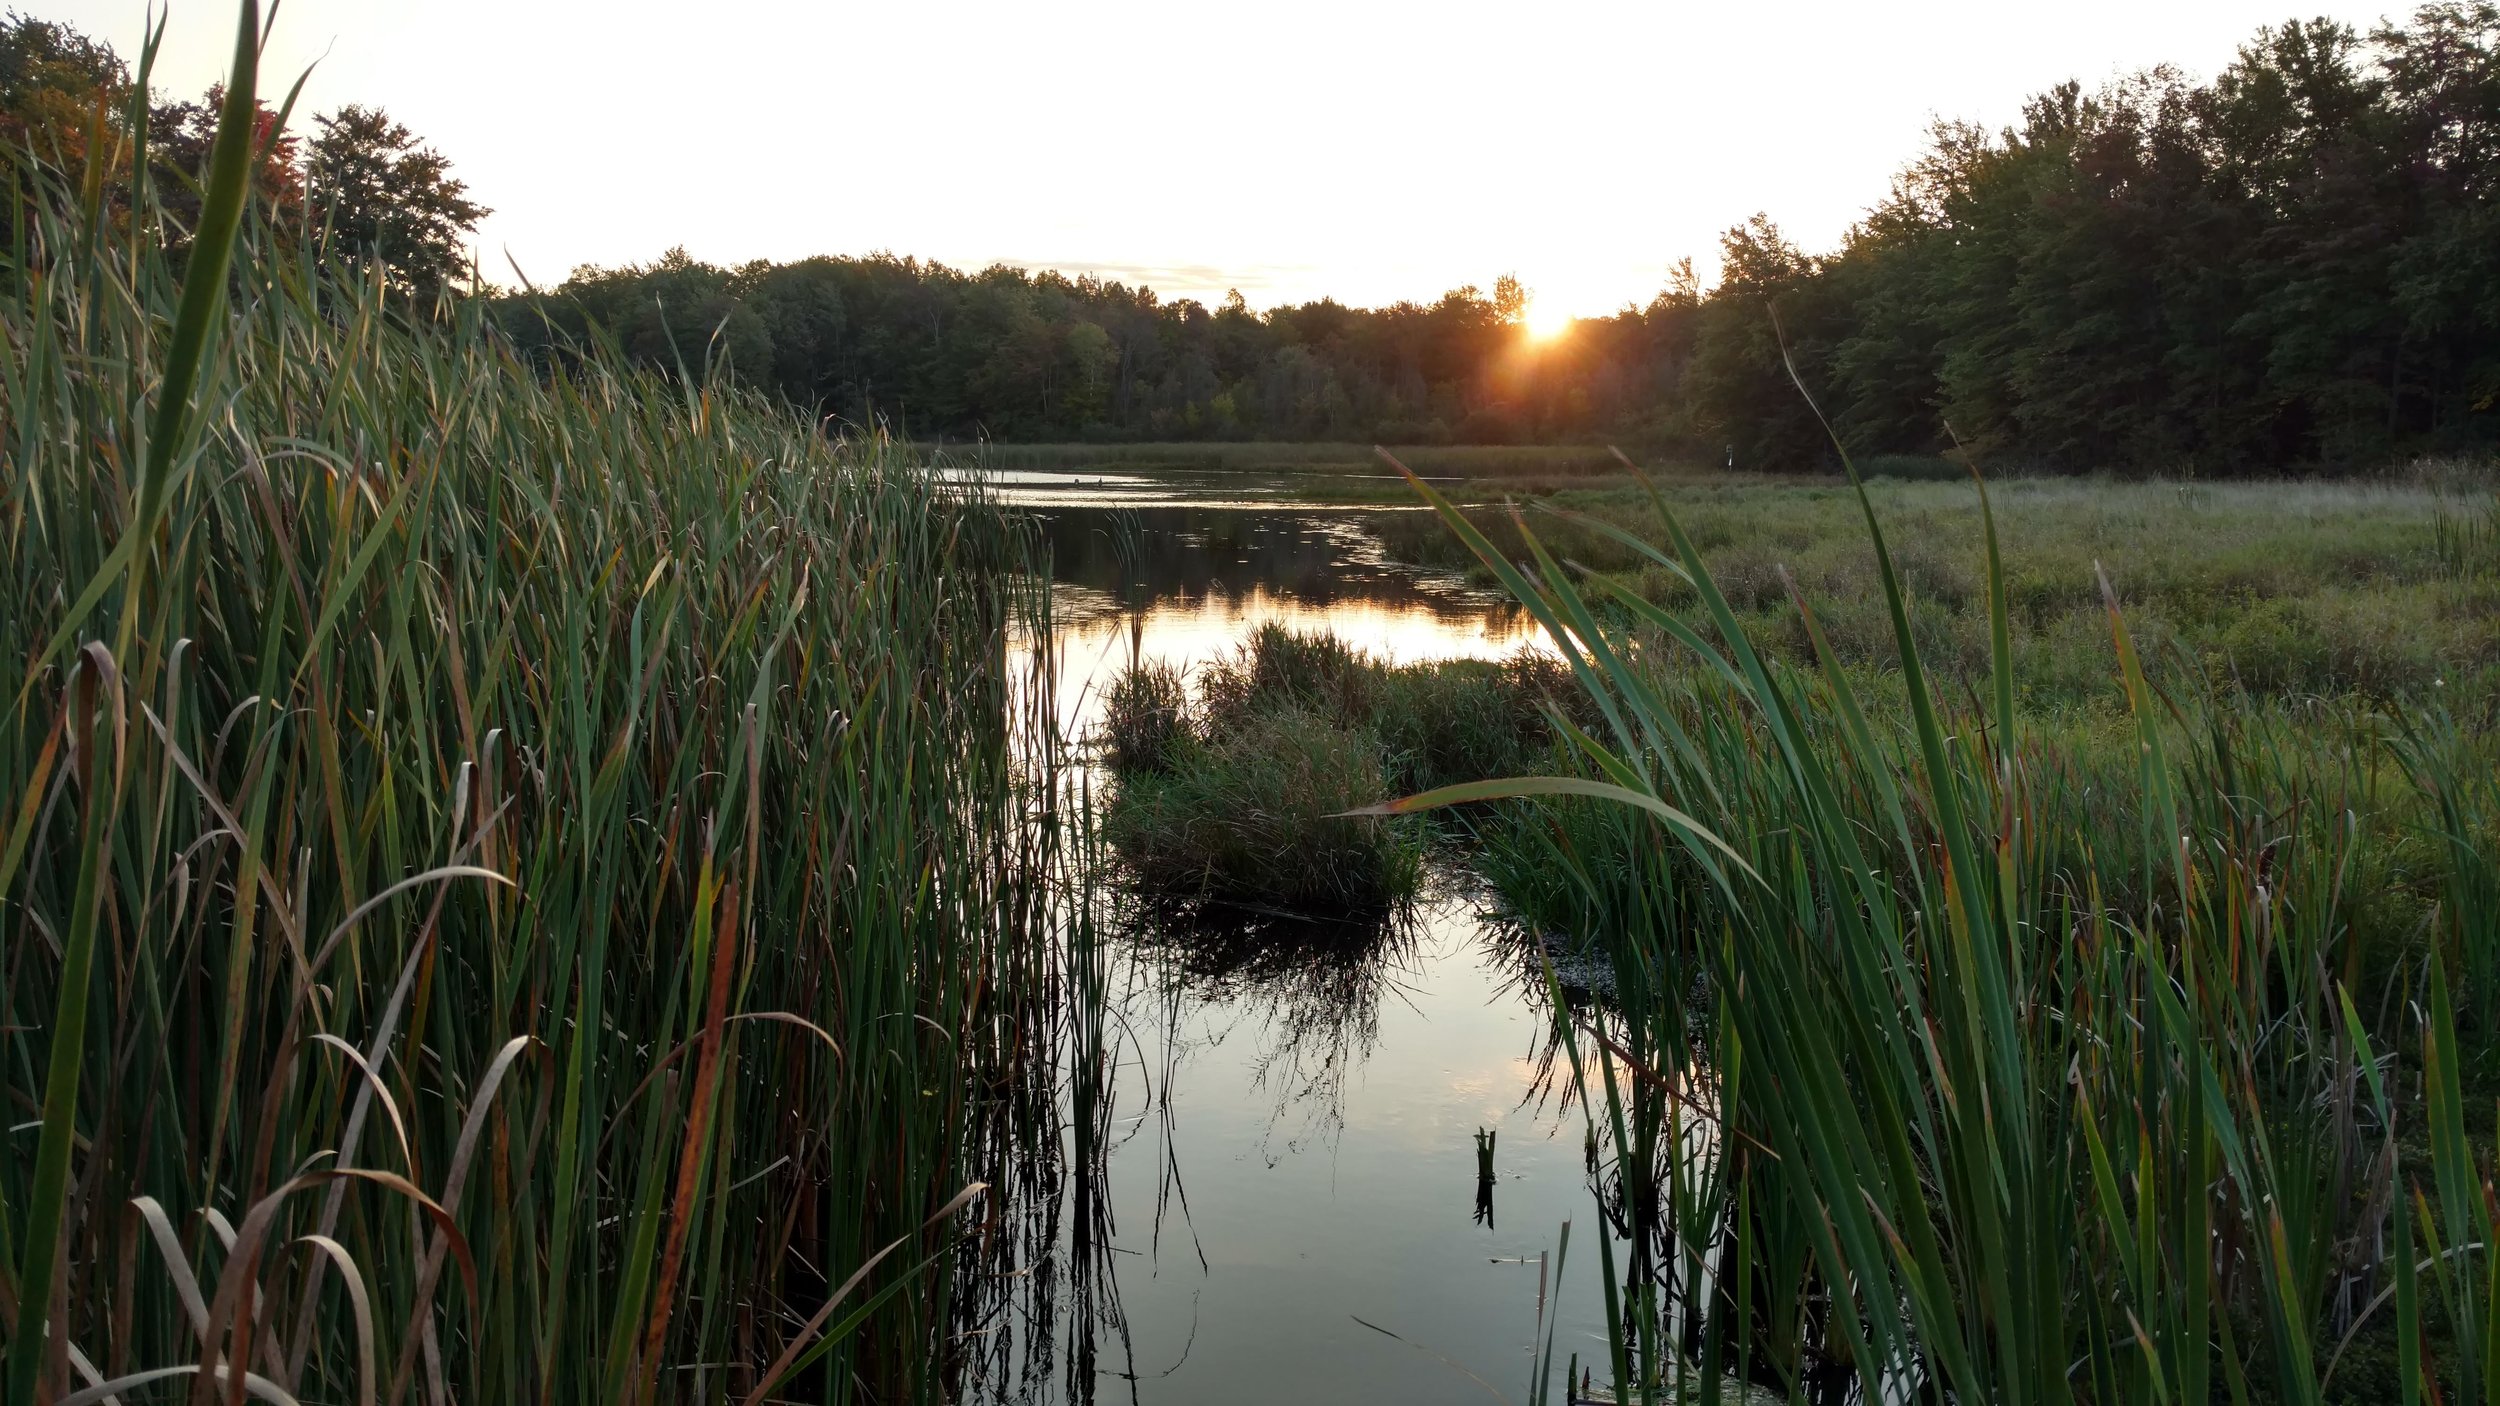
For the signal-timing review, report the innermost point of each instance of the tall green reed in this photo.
(1983, 1097)
(509, 878)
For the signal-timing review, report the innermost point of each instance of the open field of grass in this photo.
(507, 881)
(2317, 589)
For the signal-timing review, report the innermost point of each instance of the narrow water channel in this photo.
(1289, 1204)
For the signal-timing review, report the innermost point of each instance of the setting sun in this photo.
(1545, 321)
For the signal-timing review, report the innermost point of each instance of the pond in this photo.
(1286, 1205)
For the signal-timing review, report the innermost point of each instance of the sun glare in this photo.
(1546, 321)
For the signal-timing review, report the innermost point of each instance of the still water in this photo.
(1289, 1207)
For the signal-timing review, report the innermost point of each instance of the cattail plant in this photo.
(1943, 1070)
(508, 875)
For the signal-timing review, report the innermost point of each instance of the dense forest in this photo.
(2294, 263)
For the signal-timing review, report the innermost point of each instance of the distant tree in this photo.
(2301, 132)
(59, 89)
(678, 311)
(2442, 91)
(801, 307)
(1683, 288)
(2296, 261)
(1510, 299)
(179, 137)
(381, 193)
(1091, 362)
(55, 85)
(375, 186)
(1742, 397)
(1883, 369)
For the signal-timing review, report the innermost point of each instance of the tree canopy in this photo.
(363, 183)
(381, 193)
(2297, 261)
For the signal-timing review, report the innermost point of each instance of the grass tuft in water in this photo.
(1254, 815)
(1239, 793)
(1146, 722)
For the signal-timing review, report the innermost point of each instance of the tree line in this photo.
(2294, 262)
(2297, 261)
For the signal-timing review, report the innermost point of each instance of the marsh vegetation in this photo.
(2370, 589)
(1233, 786)
(2202, 935)
(517, 886)
(535, 869)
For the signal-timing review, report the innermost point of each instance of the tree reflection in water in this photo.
(1307, 990)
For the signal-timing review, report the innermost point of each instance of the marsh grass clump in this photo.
(1234, 794)
(1146, 721)
(2467, 536)
(1254, 815)
(1450, 720)
(1277, 666)
(1437, 720)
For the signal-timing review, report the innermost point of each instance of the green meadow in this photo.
(2367, 589)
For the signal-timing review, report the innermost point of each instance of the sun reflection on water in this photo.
(1190, 631)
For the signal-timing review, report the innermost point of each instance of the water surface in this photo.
(1288, 1208)
(1183, 583)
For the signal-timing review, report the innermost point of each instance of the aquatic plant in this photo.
(1252, 815)
(1146, 719)
(1280, 667)
(1456, 719)
(1981, 1097)
(1235, 795)
(505, 878)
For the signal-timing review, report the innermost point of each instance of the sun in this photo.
(1546, 321)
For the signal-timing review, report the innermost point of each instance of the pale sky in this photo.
(1290, 148)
